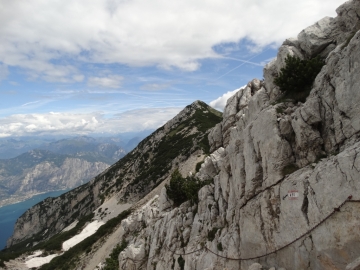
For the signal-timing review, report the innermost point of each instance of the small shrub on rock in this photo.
(183, 189)
(296, 78)
(212, 233)
(289, 169)
(198, 166)
(219, 247)
(181, 262)
(112, 263)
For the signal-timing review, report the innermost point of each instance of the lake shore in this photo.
(14, 209)
(20, 198)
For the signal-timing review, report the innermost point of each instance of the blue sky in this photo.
(111, 66)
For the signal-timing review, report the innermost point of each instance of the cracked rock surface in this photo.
(248, 207)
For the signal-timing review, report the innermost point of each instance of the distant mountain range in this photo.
(55, 165)
(104, 149)
(11, 147)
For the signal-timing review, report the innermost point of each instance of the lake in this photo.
(10, 213)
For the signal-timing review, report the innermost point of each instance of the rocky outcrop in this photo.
(279, 170)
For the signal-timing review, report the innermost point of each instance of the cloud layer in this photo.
(112, 81)
(47, 38)
(71, 123)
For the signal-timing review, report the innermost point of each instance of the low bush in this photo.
(289, 169)
(296, 78)
(181, 262)
(198, 166)
(183, 189)
(212, 233)
(112, 263)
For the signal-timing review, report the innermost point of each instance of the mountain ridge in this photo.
(122, 178)
(279, 168)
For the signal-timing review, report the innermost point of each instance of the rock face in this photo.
(279, 169)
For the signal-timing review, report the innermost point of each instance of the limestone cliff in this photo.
(279, 170)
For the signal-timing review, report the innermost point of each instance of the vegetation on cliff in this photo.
(150, 163)
(296, 78)
(183, 189)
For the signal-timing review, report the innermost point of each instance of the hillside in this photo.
(180, 142)
(278, 178)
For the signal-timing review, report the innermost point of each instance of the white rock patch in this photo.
(71, 226)
(35, 254)
(39, 261)
(89, 230)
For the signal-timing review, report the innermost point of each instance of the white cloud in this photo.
(96, 122)
(29, 103)
(111, 81)
(43, 37)
(142, 119)
(220, 102)
(78, 78)
(4, 72)
(155, 86)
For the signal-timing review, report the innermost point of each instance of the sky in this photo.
(80, 67)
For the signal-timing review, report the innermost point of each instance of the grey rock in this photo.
(249, 200)
(348, 16)
(164, 201)
(291, 42)
(255, 85)
(248, 207)
(256, 266)
(317, 37)
(215, 137)
(355, 265)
